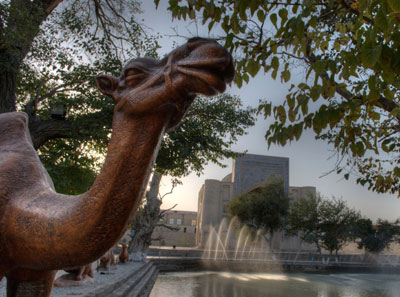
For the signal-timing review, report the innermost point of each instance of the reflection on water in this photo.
(220, 284)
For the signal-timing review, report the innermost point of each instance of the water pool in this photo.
(221, 284)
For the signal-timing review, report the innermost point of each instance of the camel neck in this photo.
(120, 186)
(131, 155)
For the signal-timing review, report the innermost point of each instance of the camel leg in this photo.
(30, 283)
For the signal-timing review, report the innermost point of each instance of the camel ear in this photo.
(107, 84)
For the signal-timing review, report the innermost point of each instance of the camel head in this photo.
(146, 85)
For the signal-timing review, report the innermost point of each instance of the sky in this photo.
(309, 159)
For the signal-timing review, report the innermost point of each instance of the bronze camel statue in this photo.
(42, 231)
(124, 255)
(78, 276)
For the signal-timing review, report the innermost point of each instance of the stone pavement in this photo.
(133, 279)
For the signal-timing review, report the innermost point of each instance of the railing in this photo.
(289, 258)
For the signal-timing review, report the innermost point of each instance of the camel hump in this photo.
(15, 119)
(17, 151)
(13, 129)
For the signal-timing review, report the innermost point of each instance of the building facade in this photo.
(251, 170)
(248, 172)
(182, 232)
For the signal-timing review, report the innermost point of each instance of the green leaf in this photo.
(267, 110)
(285, 75)
(389, 94)
(336, 45)
(328, 90)
(317, 126)
(253, 67)
(228, 40)
(396, 171)
(273, 19)
(319, 67)
(234, 24)
(385, 146)
(381, 20)
(290, 101)
(275, 63)
(315, 93)
(304, 107)
(298, 130)
(281, 113)
(245, 77)
(292, 115)
(274, 73)
(299, 29)
(395, 112)
(394, 5)
(283, 13)
(370, 55)
(238, 81)
(210, 25)
(313, 22)
(261, 15)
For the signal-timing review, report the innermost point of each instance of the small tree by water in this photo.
(264, 208)
(378, 237)
(327, 223)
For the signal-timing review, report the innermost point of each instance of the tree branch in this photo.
(44, 130)
(165, 210)
(31, 106)
(168, 227)
(384, 103)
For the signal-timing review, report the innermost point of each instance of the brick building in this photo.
(184, 234)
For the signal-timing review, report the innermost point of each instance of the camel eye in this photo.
(134, 75)
(134, 72)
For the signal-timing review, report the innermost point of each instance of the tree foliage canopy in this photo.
(206, 134)
(349, 94)
(376, 238)
(304, 219)
(264, 208)
(327, 223)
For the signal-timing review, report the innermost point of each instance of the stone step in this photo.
(118, 288)
(143, 288)
(134, 283)
(128, 278)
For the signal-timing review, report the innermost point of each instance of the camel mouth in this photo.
(213, 73)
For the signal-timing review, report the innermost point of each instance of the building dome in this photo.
(227, 178)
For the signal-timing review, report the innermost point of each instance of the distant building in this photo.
(301, 192)
(249, 172)
(184, 232)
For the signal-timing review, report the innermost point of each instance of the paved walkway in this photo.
(103, 280)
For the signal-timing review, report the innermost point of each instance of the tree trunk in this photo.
(268, 239)
(145, 222)
(318, 246)
(7, 90)
(22, 23)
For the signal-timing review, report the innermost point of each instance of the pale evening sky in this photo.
(309, 159)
